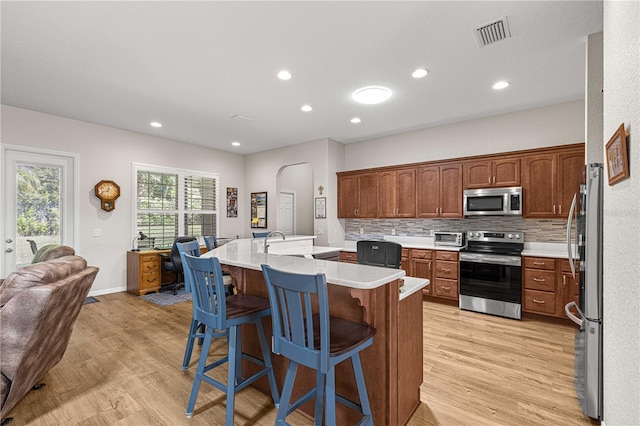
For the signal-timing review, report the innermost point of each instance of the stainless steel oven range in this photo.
(491, 273)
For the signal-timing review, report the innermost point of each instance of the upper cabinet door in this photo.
(368, 190)
(387, 194)
(451, 191)
(406, 193)
(539, 177)
(348, 196)
(570, 169)
(428, 192)
(501, 172)
(506, 172)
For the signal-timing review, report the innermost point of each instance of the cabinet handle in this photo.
(446, 270)
(429, 266)
(446, 256)
(446, 288)
(494, 180)
(541, 302)
(564, 280)
(539, 263)
(559, 208)
(554, 209)
(539, 280)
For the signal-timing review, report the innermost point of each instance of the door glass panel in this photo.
(38, 209)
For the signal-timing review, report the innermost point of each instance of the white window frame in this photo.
(181, 210)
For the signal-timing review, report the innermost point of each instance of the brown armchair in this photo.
(39, 305)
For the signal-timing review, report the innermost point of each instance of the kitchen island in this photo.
(366, 294)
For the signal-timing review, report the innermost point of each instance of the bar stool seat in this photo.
(315, 340)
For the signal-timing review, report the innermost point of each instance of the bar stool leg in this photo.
(330, 397)
(319, 396)
(189, 349)
(289, 379)
(199, 372)
(362, 388)
(231, 381)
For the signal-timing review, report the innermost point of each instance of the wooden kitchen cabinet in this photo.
(405, 264)
(550, 182)
(439, 191)
(548, 286)
(357, 195)
(397, 193)
(498, 172)
(421, 266)
(446, 275)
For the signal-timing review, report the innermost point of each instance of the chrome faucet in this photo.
(266, 246)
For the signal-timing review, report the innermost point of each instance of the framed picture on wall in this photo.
(258, 209)
(617, 158)
(232, 202)
(321, 208)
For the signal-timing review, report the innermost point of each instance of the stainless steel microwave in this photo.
(493, 201)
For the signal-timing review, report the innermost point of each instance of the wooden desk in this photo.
(144, 271)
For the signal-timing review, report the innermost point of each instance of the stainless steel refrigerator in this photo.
(586, 216)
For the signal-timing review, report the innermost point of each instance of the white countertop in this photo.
(244, 253)
(412, 285)
(425, 243)
(555, 250)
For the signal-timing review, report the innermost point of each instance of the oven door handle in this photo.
(490, 260)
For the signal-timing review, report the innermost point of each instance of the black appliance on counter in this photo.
(491, 273)
(379, 253)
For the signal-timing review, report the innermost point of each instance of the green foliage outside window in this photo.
(38, 202)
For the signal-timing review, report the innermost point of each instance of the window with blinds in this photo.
(172, 203)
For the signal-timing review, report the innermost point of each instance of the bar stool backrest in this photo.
(192, 248)
(210, 241)
(295, 336)
(208, 290)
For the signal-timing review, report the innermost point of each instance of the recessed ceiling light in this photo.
(371, 95)
(284, 75)
(235, 143)
(419, 73)
(355, 120)
(155, 124)
(501, 85)
(306, 108)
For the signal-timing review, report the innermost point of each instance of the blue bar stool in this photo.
(217, 311)
(196, 330)
(317, 341)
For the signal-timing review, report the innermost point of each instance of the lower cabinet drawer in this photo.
(540, 302)
(149, 279)
(445, 288)
(540, 279)
(347, 256)
(447, 270)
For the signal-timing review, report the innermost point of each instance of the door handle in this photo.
(9, 240)
(9, 250)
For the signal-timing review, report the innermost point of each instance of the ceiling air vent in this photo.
(241, 119)
(493, 32)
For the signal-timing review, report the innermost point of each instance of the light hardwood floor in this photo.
(123, 367)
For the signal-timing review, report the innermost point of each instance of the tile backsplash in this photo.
(535, 230)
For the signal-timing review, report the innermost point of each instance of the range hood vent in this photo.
(493, 32)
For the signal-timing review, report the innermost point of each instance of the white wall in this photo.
(299, 180)
(262, 170)
(107, 153)
(553, 125)
(622, 218)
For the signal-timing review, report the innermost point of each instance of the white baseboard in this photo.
(107, 291)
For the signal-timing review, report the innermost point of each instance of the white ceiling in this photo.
(193, 65)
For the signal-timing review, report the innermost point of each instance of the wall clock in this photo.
(108, 191)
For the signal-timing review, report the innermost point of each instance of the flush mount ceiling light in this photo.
(501, 85)
(235, 143)
(155, 124)
(284, 75)
(371, 95)
(306, 108)
(355, 120)
(419, 73)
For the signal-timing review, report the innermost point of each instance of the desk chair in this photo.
(259, 234)
(211, 242)
(379, 253)
(220, 312)
(173, 263)
(317, 341)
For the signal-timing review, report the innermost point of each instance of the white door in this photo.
(286, 213)
(38, 200)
